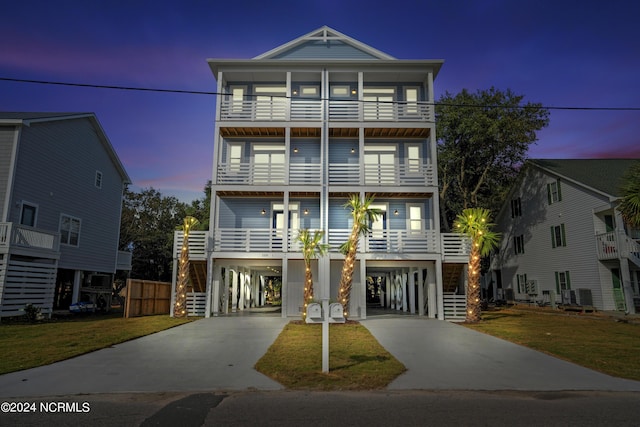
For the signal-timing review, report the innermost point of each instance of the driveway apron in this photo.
(207, 354)
(447, 356)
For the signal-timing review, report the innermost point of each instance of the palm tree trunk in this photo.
(308, 288)
(473, 285)
(346, 280)
(180, 308)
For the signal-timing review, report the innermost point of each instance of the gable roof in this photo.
(602, 175)
(27, 118)
(332, 43)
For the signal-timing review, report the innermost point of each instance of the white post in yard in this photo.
(325, 335)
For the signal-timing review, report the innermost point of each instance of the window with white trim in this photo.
(554, 193)
(69, 230)
(522, 283)
(98, 181)
(340, 91)
(28, 214)
(563, 281)
(558, 237)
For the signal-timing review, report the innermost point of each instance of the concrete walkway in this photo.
(218, 354)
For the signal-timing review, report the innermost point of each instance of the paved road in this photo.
(383, 408)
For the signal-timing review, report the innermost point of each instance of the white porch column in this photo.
(439, 290)
(421, 293)
(412, 291)
(207, 309)
(363, 289)
(403, 277)
(234, 289)
(216, 277)
(77, 282)
(284, 289)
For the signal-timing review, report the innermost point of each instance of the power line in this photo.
(199, 92)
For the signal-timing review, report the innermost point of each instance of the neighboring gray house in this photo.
(297, 130)
(61, 187)
(563, 239)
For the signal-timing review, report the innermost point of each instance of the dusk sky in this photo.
(560, 53)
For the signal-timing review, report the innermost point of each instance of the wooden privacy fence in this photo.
(146, 297)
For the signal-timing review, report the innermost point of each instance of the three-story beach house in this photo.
(61, 186)
(298, 130)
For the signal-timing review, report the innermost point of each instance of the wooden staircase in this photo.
(451, 276)
(198, 275)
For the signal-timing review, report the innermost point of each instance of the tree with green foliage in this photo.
(147, 227)
(312, 247)
(363, 215)
(483, 139)
(474, 223)
(629, 206)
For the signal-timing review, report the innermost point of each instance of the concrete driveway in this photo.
(219, 354)
(447, 356)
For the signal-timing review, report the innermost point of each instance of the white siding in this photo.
(540, 260)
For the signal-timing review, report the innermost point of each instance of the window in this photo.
(558, 237)
(554, 194)
(416, 220)
(518, 244)
(237, 98)
(413, 158)
(378, 103)
(271, 102)
(516, 208)
(340, 92)
(411, 98)
(522, 283)
(98, 181)
(28, 214)
(310, 91)
(234, 156)
(69, 230)
(563, 281)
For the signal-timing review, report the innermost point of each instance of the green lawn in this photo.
(356, 360)
(26, 346)
(596, 342)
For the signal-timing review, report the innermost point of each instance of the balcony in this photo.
(197, 244)
(269, 174)
(27, 239)
(382, 174)
(285, 109)
(615, 245)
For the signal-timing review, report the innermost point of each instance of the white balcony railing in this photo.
(12, 234)
(283, 109)
(305, 174)
(251, 174)
(247, 240)
(197, 244)
(385, 241)
(382, 174)
(614, 245)
(455, 245)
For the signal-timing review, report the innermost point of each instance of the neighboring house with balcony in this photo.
(61, 187)
(297, 130)
(563, 241)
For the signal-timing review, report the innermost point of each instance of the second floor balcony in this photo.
(282, 109)
(346, 174)
(617, 244)
(28, 239)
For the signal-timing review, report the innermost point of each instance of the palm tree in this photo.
(629, 206)
(180, 306)
(311, 248)
(474, 222)
(363, 215)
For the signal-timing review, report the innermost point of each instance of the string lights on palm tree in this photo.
(180, 306)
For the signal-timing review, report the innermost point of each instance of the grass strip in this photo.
(356, 360)
(25, 346)
(601, 344)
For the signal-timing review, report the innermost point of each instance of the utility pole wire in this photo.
(198, 92)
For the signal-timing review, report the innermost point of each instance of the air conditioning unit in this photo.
(584, 297)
